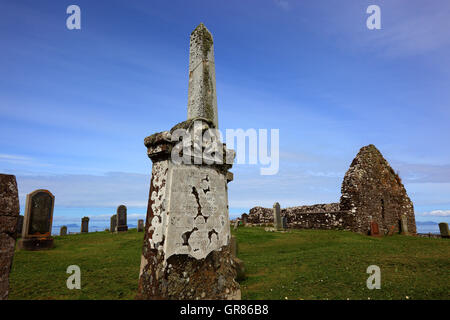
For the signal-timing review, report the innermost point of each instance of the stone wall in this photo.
(318, 216)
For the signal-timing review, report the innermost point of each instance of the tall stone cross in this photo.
(202, 97)
(186, 252)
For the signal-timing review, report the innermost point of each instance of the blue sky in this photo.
(75, 105)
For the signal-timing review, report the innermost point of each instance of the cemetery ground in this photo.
(299, 264)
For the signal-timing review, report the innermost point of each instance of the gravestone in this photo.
(19, 225)
(121, 218)
(284, 222)
(9, 213)
(244, 218)
(277, 224)
(374, 229)
(404, 225)
(37, 222)
(236, 224)
(84, 224)
(443, 228)
(113, 223)
(140, 227)
(63, 231)
(186, 252)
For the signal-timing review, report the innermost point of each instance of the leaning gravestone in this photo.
(277, 224)
(84, 224)
(121, 218)
(113, 223)
(236, 224)
(186, 252)
(140, 226)
(37, 222)
(63, 231)
(9, 213)
(443, 228)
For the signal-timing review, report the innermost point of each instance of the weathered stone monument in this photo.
(121, 219)
(236, 224)
(277, 224)
(9, 213)
(37, 223)
(140, 226)
(63, 231)
(85, 224)
(113, 223)
(186, 252)
(443, 228)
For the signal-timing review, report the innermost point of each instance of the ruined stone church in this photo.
(371, 193)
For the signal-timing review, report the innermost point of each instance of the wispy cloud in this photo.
(282, 4)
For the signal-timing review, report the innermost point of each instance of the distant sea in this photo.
(100, 219)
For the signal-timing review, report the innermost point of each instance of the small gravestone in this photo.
(236, 224)
(121, 219)
(63, 231)
(443, 228)
(277, 224)
(374, 229)
(140, 227)
(84, 224)
(244, 218)
(9, 213)
(37, 222)
(284, 222)
(113, 223)
(404, 225)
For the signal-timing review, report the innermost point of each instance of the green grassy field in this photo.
(300, 264)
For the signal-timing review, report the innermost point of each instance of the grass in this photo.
(299, 264)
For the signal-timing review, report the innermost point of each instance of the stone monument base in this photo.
(186, 278)
(121, 228)
(35, 244)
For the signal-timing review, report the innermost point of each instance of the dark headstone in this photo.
(284, 222)
(121, 218)
(443, 228)
(113, 223)
(37, 222)
(85, 224)
(140, 227)
(9, 213)
(63, 231)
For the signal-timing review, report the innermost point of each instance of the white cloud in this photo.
(437, 213)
